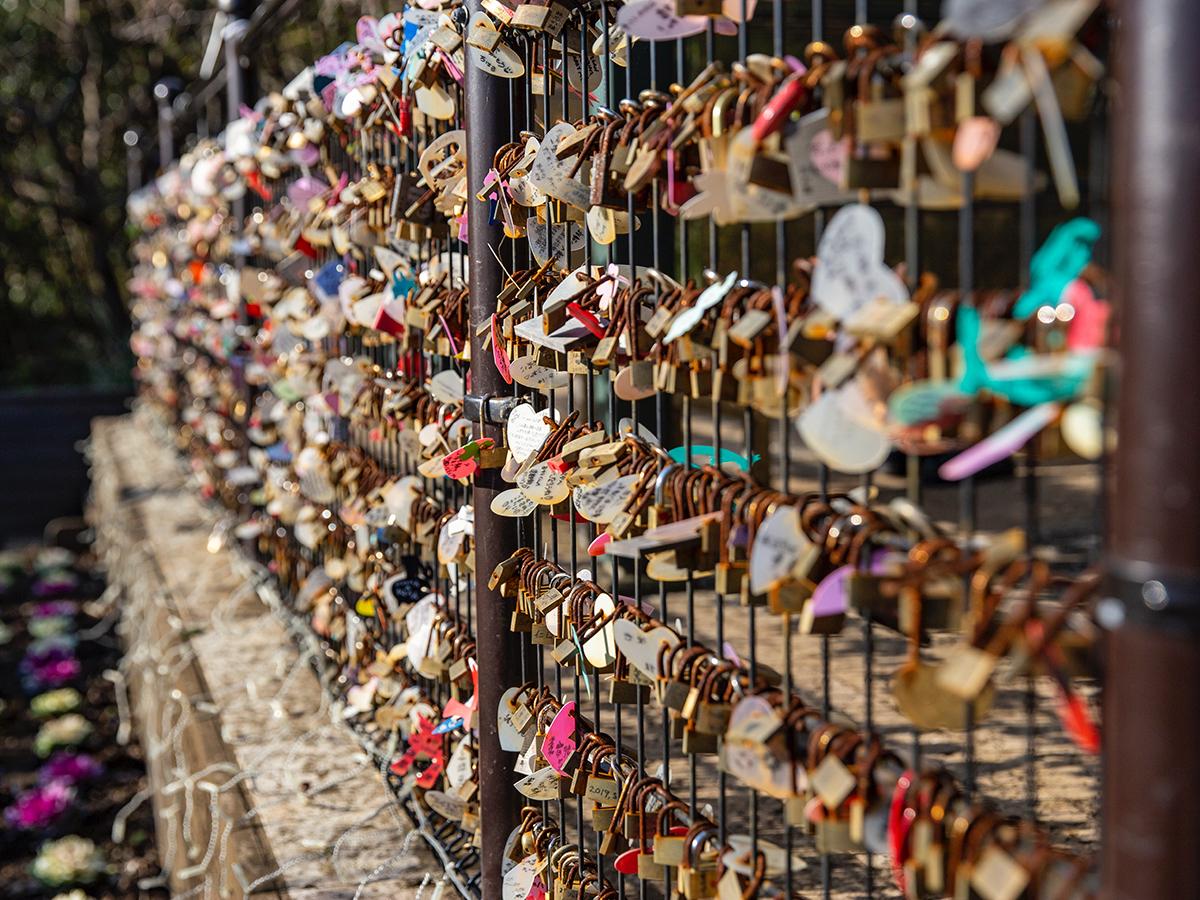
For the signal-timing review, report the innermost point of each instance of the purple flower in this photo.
(54, 586)
(70, 768)
(48, 667)
(39, 807)
(47, 651)
(49, 608)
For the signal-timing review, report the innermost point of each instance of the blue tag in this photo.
(328, 277)
(279, 453)
(702, 455)
(448, 725)
(402, 285)
(1057, 263)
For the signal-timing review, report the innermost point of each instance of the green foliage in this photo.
(77, 75)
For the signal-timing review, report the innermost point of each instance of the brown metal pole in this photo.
(1151, 843)
(486, 118)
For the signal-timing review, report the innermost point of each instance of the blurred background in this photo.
(80, 123)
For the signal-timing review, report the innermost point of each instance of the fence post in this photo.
(485, 117)
(1152, 684)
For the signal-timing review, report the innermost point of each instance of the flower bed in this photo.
(63, 775)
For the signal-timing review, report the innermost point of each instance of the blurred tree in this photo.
(78, 75)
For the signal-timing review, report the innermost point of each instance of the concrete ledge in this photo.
(256, 789)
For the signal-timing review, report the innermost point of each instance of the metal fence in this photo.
(742, 672)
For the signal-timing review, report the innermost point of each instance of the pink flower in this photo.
(39, 807)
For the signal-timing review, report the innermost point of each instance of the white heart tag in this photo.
(850, 271)
(526, 431)
(641, 647)
(837, 428)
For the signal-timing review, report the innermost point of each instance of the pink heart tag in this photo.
(829, 599)
(499, 354)
(596, 547)
(559, 743)
(456, 709)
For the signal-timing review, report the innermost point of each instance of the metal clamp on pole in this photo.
(489, 410)
(1143, 593)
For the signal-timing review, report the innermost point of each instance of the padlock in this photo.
(648, 869)
(622, 690)
(712, 717)
(789, 596)
(730, 576)
(697, 742)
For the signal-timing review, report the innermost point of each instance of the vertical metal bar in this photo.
(499, 650)
(966, 491)
(1152, 710)
(818, 29)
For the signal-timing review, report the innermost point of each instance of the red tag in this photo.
(627, 862)
(458, 464)
(254, 180)
(305, 247)
(586, 319)
(499, 354)
(560, 465)
(386, 323)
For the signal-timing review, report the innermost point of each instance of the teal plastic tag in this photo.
(702, 455)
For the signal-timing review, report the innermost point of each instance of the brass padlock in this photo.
(621, 690)
(698, 742)
(788, 596)
(729, 577)
(648, 869)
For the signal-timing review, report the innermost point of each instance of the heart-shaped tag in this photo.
(512, 504)
(519, 879)
(655, 20)
(841, 435)
(779, 544)
(627, 862)
(547, 241)
(559, 742)
(527, 371)
(526, 430)
(544, 484)
(597, 546)
(459, 463)
(502, 61)
(830, 597)
(510, 738)
(544, 784)
(446, 805)
(447, 387)
(641, 647)
(601, 503)
(600, 650)
(635, 381)
(850, 271)
(552, 175)
(690, 317)
(436, 102)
